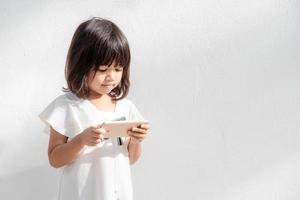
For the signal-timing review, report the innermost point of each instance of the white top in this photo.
(100, 172)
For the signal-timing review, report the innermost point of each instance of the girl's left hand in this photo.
(138, 134)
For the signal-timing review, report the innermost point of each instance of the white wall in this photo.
(218, 80)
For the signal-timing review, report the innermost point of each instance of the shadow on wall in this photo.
(34, 184)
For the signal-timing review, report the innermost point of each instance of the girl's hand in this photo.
(138, 134)
(92, 135)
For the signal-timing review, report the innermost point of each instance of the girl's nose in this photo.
(110, 74)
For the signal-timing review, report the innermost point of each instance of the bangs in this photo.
(113, 50)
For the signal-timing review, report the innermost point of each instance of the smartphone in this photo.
(120, 128)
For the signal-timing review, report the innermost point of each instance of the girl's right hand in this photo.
(92, 135)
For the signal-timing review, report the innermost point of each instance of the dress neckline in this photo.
(91, 105)
(99, 110)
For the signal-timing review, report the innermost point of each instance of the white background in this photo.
(218, 80)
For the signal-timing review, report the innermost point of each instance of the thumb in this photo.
(103, 131)
(97, 126)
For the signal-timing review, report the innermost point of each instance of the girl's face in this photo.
(105, 80)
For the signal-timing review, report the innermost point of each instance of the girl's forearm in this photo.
(65, 153)
(135, 151)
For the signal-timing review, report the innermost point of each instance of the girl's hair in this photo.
(96, 42)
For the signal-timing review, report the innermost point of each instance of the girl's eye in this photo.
(105, 69)
(102, 70)
(119, 69)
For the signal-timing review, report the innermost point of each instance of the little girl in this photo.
(97, 75)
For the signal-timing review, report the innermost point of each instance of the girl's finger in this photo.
(145, 126)
(97, 126)
(136, 135)
(91, 143)
(100, 131)
(96, 133)
(97, 136)
(96, 140)
(101, 137)
(144, 131)
(100, 125)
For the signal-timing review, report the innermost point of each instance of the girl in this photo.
(97, 75)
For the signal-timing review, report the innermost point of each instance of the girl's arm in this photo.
(61, 152)
(134, 150)
(137, 135)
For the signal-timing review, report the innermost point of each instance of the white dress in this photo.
(101, 172)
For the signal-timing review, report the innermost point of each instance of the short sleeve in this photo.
(59, 115)
(134, 113)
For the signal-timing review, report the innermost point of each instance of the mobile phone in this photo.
(120, 128)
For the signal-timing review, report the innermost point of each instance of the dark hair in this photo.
(96, 42)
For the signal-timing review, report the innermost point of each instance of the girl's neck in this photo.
(103, 103)
(100, 98)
